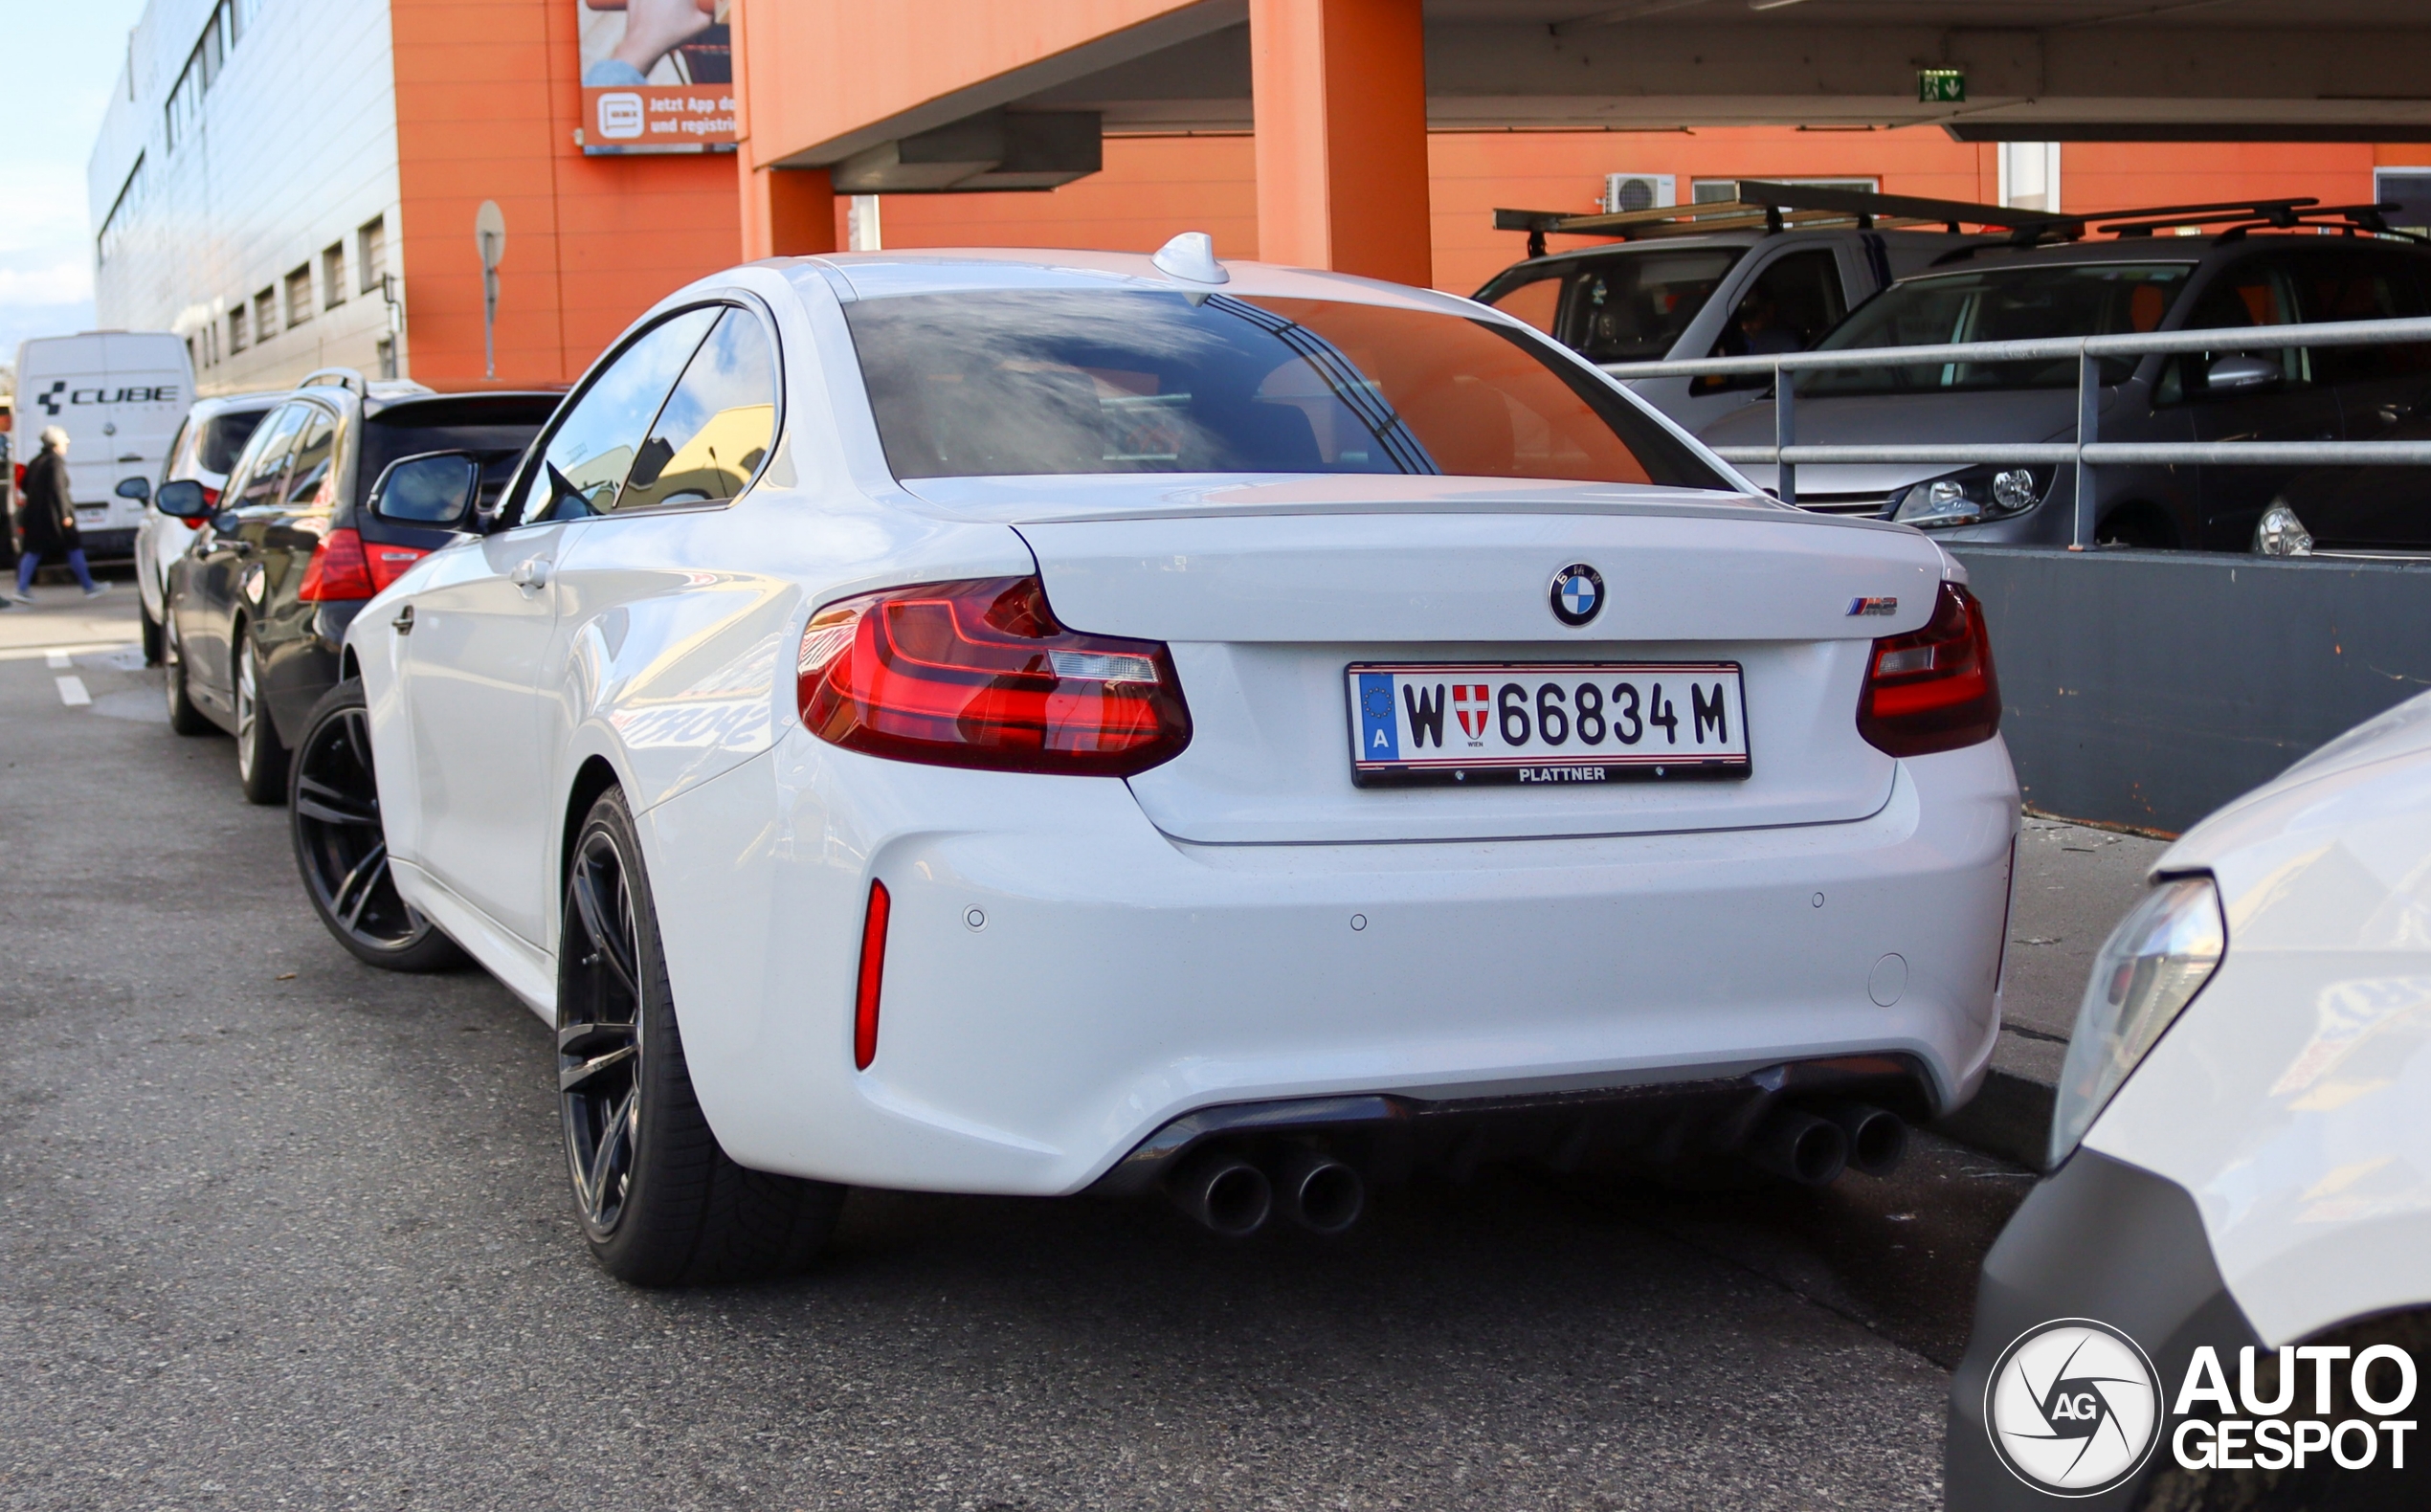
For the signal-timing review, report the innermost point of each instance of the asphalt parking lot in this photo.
(280, 1229)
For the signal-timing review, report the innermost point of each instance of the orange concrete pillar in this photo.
(787, 212)
(1340, 95)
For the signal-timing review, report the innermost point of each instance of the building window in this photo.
(386, 346)
(371, 252)
(298, 296)
(265, 315)
(236, 329)
(333, 275)
(130, 199)
(185, 107)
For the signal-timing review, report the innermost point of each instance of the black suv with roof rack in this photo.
(2275, 263)
(1770, 272)
(258, 608)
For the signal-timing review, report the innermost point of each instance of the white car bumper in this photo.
(1061, 980)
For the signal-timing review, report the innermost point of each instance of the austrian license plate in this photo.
(1545, 722)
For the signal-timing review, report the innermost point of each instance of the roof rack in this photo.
(1781, 207)
(335, 377)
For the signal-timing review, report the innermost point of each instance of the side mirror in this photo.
(435, 490)
(182, 499)
(2241, 374)
(135, 488)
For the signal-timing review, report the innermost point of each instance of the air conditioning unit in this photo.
(1640, 191)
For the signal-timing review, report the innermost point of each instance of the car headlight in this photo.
(2149, 969)
(1972, 496)
(2280, 533)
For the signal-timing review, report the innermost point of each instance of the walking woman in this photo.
(48, 517)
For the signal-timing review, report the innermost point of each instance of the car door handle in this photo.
(530, 572)
(404, 622)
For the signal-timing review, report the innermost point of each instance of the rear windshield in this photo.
(499, 429)
(1045, 382)
(223, 436)
(2000, 304)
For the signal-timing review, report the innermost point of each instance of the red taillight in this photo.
(873, 973)
(338, 571)
(388, 563)
(1932, 689)
(979, 674)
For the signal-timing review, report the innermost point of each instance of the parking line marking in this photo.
(58, 660)
(72, 692)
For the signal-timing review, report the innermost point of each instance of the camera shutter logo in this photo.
(2073, 1407)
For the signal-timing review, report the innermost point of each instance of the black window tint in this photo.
(1635, 306)
(224, 437)
(716, 427)
(595, 446)
(1788, 308)
(267, 467)
(316, 449)
(497, 430)
(2364, 285)
(2259, 291)
(2025, 303)
(981, 384)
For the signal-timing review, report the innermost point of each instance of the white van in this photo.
(120, 396)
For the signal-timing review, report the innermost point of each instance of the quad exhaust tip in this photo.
(1321, 1194)
(1798, 1147)
(1877, 1137)
(1226, 1194)
(1231, 1195)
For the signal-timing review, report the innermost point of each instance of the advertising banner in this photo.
(658, 75)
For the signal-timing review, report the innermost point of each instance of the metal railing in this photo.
(2089, 452)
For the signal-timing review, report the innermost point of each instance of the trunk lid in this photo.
(1267, 592)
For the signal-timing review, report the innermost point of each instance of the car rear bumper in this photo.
(1061, 980)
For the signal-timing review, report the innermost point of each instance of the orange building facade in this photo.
(308, 199)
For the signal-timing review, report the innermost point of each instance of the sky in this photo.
(65, 59)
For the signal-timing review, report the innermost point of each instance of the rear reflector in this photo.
(338, 571)
(977, 673)
(1932, 689)
(873, 973)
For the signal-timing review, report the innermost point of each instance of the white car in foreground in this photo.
(2235, 1244)
(1043, 723)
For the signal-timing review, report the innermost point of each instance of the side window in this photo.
(1790, 305)
(2365, 286)
(2260, 291)
(316, 448)
(595, 444)
(264, 467)
(716, 427)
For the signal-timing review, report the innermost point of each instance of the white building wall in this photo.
(293, 150)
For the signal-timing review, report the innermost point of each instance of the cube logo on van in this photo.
(51, 399)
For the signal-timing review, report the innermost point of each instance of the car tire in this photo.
(342, 850)
(262, 761)
(182, 715)
(152, 636)
(661, 1203)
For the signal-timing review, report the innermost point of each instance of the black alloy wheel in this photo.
(662, 1204)
(333, 805)
(182, 715)
(261, 760)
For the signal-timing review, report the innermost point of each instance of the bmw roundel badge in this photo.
(1577, 594)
